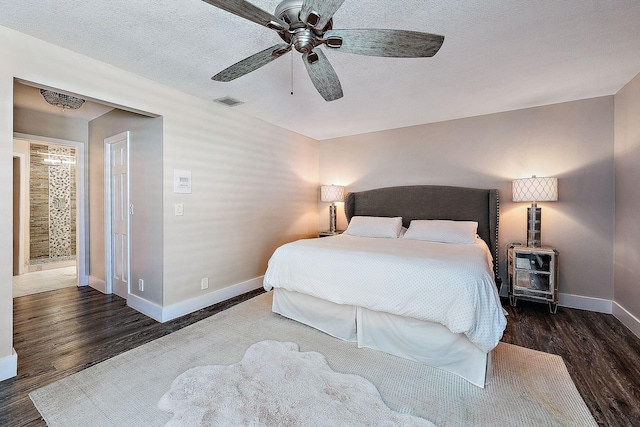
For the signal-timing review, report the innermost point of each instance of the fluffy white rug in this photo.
(276, 385)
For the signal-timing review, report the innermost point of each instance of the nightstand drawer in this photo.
(525, 280)
(534, 261)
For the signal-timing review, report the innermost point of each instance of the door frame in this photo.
(108, 271)
(22, 196)
(82, 201)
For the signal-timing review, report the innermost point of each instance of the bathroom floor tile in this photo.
(44, 281)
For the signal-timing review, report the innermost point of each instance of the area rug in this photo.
(276, 385)
(527, 388)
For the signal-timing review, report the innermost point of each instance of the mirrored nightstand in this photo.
(533, 274)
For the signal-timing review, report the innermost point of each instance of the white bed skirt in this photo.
(334, 319)
(426, 342)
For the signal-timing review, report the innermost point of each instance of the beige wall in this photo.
(572, 141)
(254, 188)
(627, 163)
(254, 185)
(32, 122)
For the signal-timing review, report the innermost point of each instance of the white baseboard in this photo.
(598, 305)
(626, 318)
(9, 366)
(189, 306)
(163, 314)
(98, 284)
(83, 280)
(145, 307)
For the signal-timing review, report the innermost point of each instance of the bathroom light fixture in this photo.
(534, 190)
(60, 100)
(64, 159)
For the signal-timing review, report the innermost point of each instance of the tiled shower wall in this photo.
(52, 219)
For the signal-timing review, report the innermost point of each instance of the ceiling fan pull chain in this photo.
(291, 72)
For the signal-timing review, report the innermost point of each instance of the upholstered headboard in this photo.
(432, 202)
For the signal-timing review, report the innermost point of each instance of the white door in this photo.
(118, 206)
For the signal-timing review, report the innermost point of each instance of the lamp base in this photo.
(533, 226)
(332, 217)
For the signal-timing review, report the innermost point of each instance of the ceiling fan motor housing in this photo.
(303, 37)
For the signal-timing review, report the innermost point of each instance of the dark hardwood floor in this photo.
(601, 354)
(62, 332)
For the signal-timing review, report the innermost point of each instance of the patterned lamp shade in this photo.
(332, 193)
(535, 189)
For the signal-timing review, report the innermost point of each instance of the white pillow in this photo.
(442, 231)
(374, 226)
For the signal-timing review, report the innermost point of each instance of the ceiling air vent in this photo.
(228, 101)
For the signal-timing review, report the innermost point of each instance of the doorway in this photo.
(94, 122)
(48, 226)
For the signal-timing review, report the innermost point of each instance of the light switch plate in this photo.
(179, 209)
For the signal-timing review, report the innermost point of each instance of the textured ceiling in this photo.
(497, 56)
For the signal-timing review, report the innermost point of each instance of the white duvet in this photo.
(437, 282)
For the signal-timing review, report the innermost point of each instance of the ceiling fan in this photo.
(305, 25)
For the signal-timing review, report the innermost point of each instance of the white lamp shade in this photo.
(332, 193)
(535, 189)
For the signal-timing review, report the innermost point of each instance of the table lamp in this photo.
(332, 193)
(534, 190)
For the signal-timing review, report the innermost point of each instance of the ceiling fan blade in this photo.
(246, 10)
(389, 43)
(252, 63)
(317, 13)
(322, 75)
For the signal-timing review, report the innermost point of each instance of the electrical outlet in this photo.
(141, 285)
(204, 283)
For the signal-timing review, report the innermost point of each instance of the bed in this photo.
(431, 302)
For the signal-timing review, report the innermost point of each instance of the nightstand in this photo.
(533, 275)
(328, 233)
